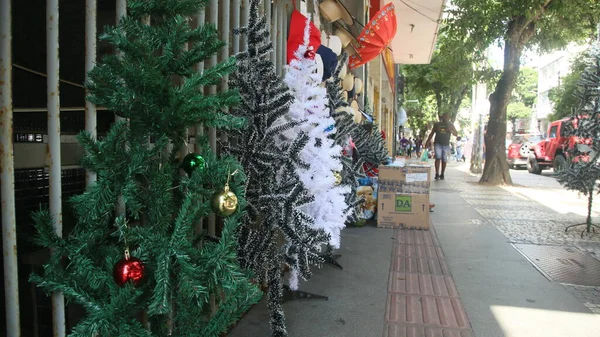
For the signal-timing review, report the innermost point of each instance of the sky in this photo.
(496, 57)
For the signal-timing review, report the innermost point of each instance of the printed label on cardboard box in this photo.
(403, 203)
(406, 180)
(416, 177)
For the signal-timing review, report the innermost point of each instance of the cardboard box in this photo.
(403, 196)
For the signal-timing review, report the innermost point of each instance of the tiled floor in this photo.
(422, 298)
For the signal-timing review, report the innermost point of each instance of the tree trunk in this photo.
(477, 151)
(438, 99)
(496, 169)
(588, 221)
(455, 102)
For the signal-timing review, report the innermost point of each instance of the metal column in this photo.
(121, 11)
(274, 19)
(235, 23)
(201, 20)
(90, 62)
(281, 57)
(53, 154)
(267, 11)
(225, 29)
(212, 132)
(269, 19)
(245, 14)
(7, 179)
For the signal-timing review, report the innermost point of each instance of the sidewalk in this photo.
(503, 293)
(466, 272)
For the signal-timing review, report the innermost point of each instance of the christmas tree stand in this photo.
(291, 295)
(331, 258)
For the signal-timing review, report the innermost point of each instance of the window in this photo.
(553, 132)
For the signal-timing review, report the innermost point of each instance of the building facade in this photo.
(552, 68)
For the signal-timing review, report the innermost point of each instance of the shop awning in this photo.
(418, 24)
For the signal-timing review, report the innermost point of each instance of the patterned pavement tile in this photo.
(423, 300)
(442, 312)
(403, 330)
(412, 264)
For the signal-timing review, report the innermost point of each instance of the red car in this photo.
(520, 148)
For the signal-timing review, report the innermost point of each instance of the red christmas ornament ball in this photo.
(310, 53)
(129, 269)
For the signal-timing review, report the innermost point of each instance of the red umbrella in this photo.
(375, 37)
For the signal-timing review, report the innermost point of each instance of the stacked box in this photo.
(403, 196)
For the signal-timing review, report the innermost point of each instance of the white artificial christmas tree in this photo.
(320, 156)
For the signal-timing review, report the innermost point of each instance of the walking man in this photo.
(442, 130)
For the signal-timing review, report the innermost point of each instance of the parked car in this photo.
(552, 151)
(520, 147)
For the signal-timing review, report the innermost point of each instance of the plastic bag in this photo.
(425, 155)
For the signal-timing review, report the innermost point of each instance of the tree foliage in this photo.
(447, 79)
(526, 89)
(541, 24)
(563, 97)
(523, 97)
(421, 115)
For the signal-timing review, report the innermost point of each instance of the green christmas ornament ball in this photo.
(191, 162)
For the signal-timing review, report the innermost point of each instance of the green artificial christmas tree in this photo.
(151, 272)
(583, 172)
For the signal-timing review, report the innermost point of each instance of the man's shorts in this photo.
(441, 151)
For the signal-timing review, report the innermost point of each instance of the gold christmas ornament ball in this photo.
(224, 203)
(338, 177)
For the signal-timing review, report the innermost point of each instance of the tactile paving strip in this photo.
(563, 264)
(422, 297)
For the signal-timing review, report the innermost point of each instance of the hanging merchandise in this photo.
(343, 71)
(352, 92)
(345, 35)
(320, 68)
(329, 59)
(348, 82)
(296, 35)
(332, 42)
(358, 86)
(376, 36)
(334, 10)
(345, 96)
(351, 50)
(356, 111)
